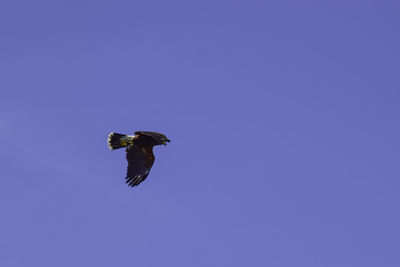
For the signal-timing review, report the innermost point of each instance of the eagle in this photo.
(139, 152)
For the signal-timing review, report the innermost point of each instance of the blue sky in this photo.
(283, 116)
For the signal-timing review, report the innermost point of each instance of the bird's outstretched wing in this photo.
(140, 160)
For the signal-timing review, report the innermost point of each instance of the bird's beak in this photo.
(164, 142)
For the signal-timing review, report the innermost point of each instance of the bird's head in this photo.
(157, 138)
(163, 140)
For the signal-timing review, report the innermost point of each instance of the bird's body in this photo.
(139, 152)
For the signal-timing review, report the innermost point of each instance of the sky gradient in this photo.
(283, 118)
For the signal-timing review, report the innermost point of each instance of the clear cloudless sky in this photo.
(283, 116)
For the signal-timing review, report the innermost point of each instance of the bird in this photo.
(139, 152)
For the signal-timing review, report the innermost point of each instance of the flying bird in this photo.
(139, 152)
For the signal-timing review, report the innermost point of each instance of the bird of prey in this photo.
(139, 152)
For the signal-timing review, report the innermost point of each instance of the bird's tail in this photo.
(116, 140)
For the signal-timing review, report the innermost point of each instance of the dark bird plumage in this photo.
(139, 152)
